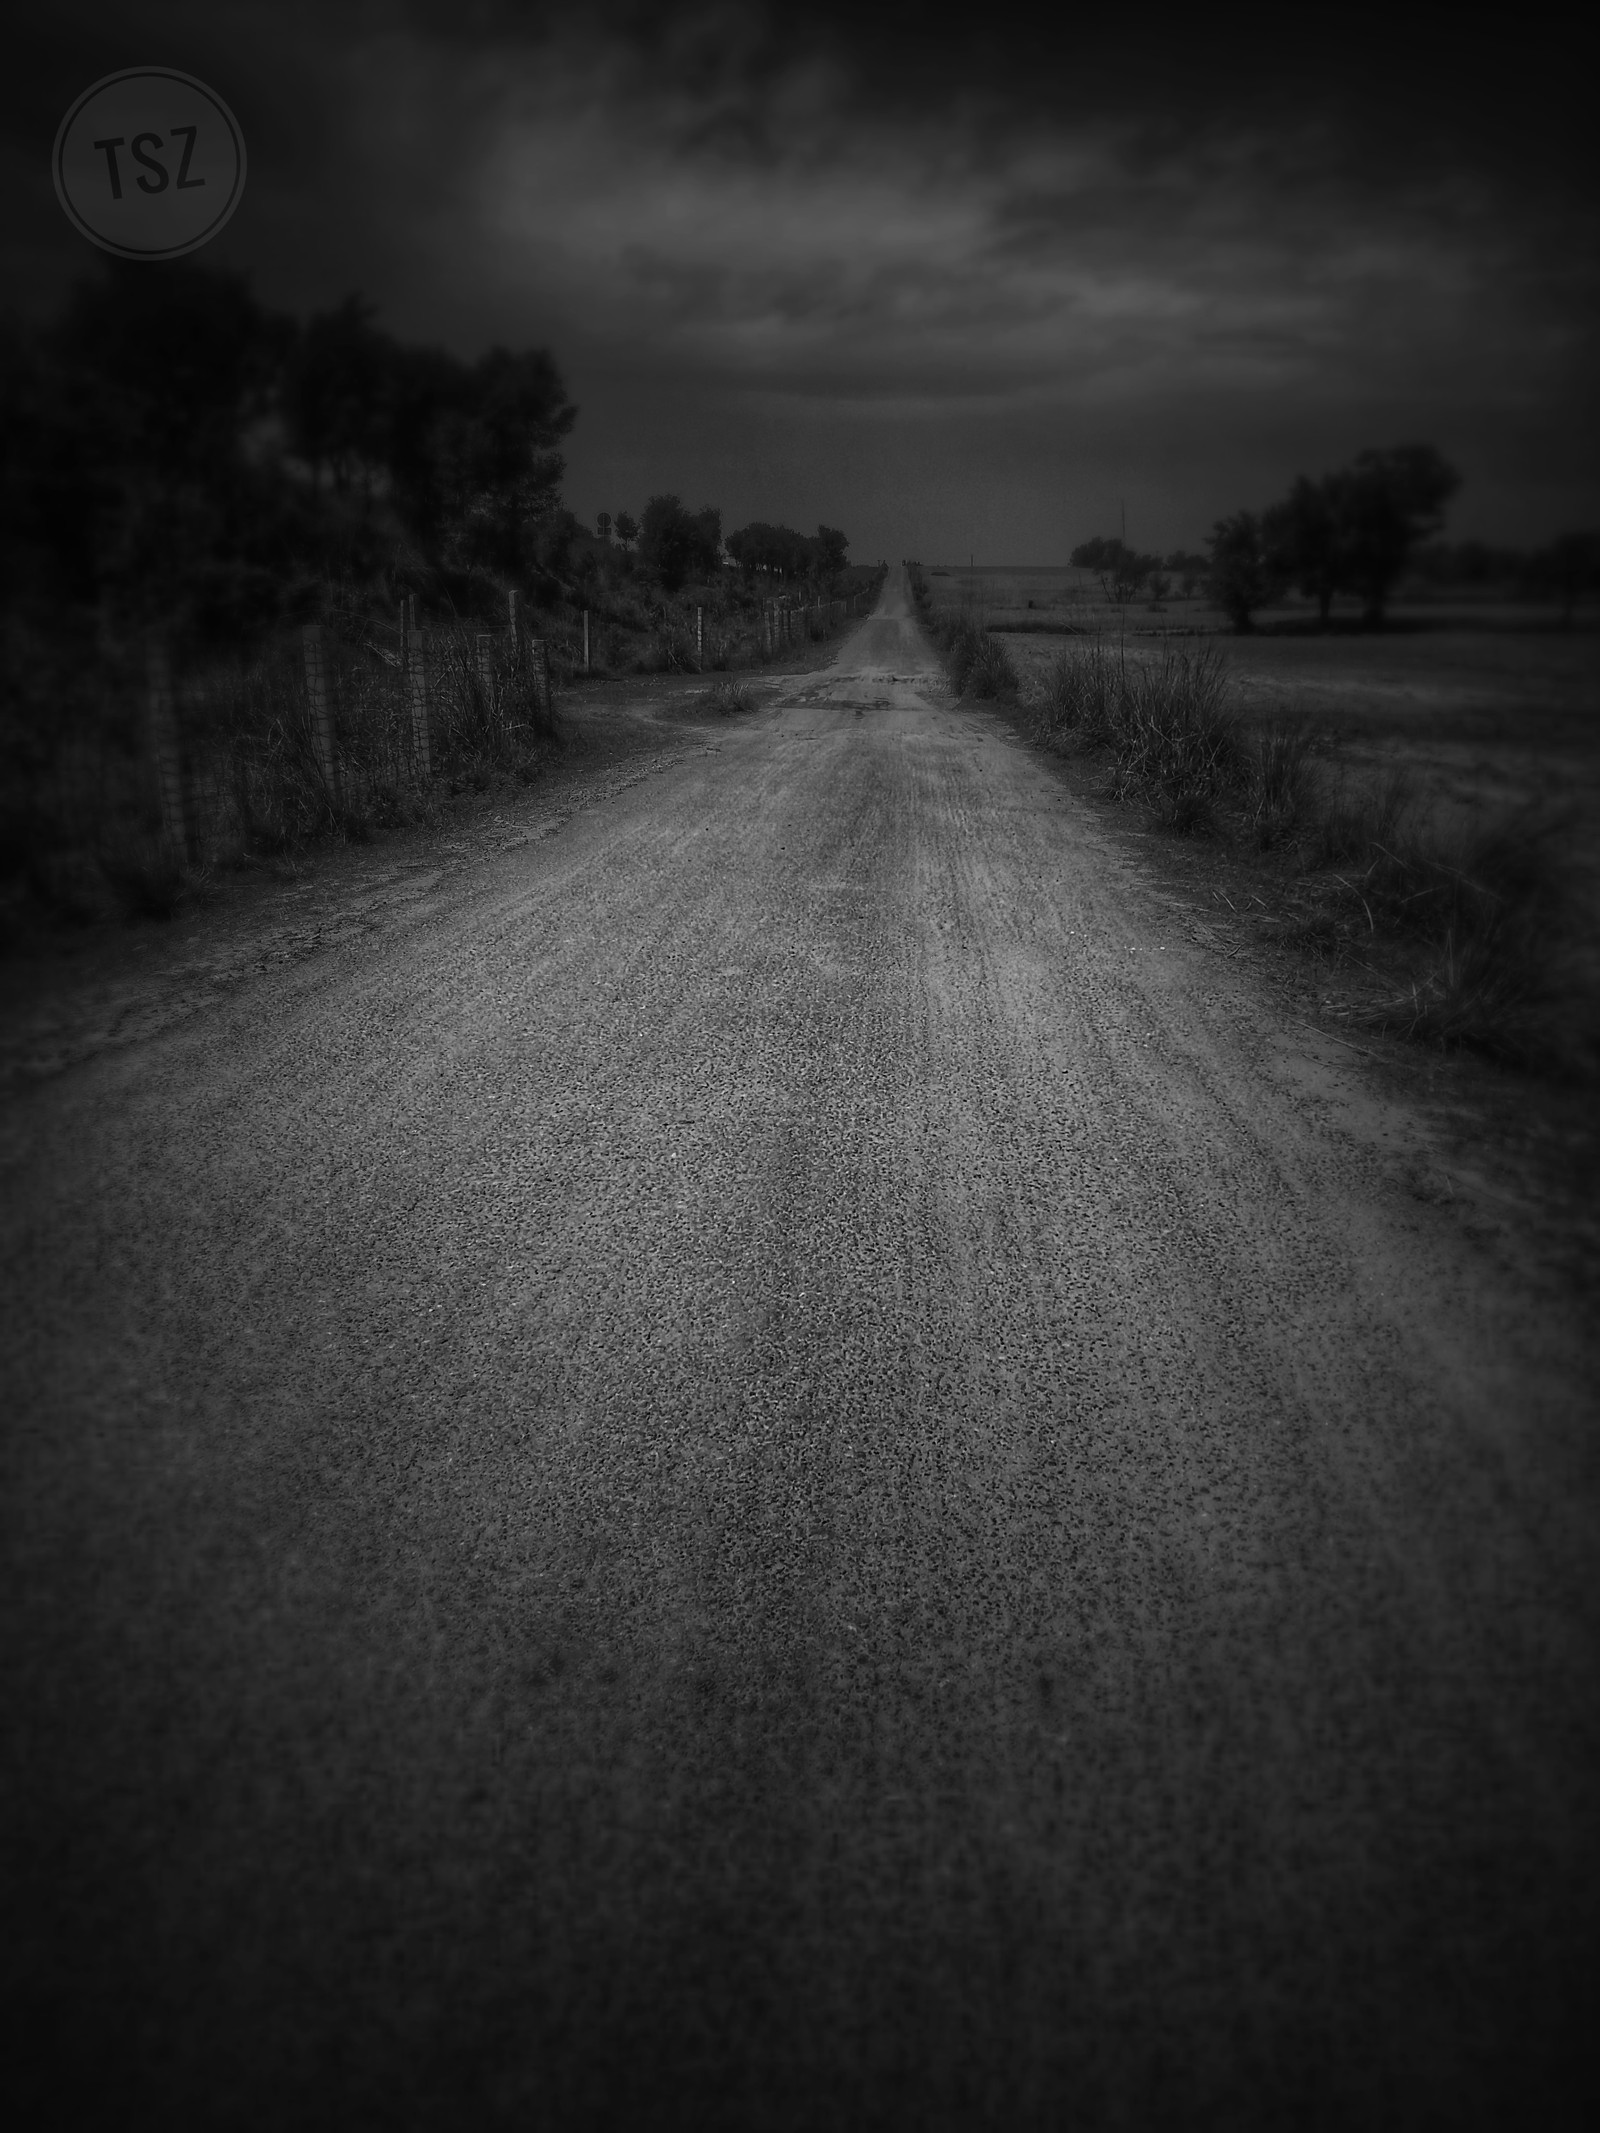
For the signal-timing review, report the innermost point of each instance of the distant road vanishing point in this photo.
(784, 1462)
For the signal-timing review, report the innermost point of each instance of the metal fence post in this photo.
(318, 694)
(164, 748)
(416, 672)
(700, 635)
(514, 603)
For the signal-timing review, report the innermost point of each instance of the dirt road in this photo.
(783, 1462)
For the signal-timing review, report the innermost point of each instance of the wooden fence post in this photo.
(164, 748)
(586, 640)
(318, 694)
(700, 635)
(486, 665)
(416, 673)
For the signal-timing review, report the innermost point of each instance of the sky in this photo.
(979, 284)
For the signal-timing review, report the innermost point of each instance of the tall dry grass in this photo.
(978, 664)
(83, 835)
(1508, 965)
(1173, 740)
(1488, 918)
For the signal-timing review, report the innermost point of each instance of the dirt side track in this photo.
(775, 1465)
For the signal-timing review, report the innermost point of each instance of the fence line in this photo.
(346, 720)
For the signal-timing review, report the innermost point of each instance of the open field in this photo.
(1033, 597)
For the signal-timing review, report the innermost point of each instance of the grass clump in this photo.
(1174, 742)
(1280, 791)
(978, 664)
(1177, 745)
(1494, 912)
(729, 698)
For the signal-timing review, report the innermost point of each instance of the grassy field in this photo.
(1488, 709)
(1420, 802)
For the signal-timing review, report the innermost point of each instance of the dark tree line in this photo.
(675, 545)
(1125, 572)
(1350, 532)
(1355, 533)
(175, 450)
(780, 552)
(1566, 569)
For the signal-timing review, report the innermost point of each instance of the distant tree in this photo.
(135, 480)
(603, 525)
(1189, 570)
(1468, 563)
(1243, 574)
(159, 438)
(832, 548)
(338, 397)
(1568, 568)
(777, 550)
(676, 545)
(1384, 506)
(1122, 570)
(1306, 536)
(627, 528)
(497, 472)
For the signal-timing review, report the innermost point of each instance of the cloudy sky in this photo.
(957, 289)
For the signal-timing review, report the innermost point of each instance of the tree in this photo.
(1567, 568)
(1244, 575)
(1122, 570)
(832, 549)
(676, 545)
(157, 442)
(1188, 569)
(137, 476)
(627, 529)
(338, 396)
(784, 553)
(1384, 505)
(1306, 536)
(497, 473)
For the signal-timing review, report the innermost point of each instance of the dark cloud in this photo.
(921, 281)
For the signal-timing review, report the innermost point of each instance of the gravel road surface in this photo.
(782, 1462)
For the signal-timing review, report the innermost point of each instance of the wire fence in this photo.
(148, 768)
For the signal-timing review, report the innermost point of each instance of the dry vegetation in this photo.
(81, 821)
(1425, 802)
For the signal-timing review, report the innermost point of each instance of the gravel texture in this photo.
(776, 1464)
